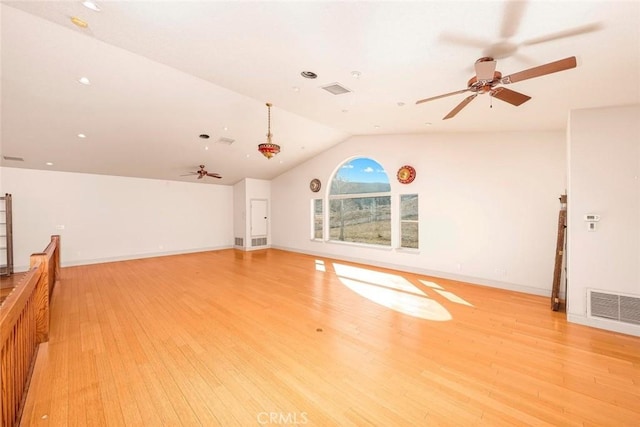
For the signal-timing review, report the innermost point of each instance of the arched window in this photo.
(360, 203)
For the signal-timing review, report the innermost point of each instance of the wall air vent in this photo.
(260, 241)
(15, 159)
(623, 308)
(225, 141)
(336, 89)
(239, 241)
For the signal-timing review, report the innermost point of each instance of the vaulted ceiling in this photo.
(163, 73)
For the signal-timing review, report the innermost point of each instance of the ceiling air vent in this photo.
(336, 89)
(16, 159)
(226, 141)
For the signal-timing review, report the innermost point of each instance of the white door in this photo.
(259, 220)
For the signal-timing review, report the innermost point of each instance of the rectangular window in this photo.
(409, 221)
(318, 219)
(361, 219)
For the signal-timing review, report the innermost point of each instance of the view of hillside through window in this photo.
(409, 221)
(317, 218)
(360, 203)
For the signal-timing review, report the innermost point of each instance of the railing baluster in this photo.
(25, 320)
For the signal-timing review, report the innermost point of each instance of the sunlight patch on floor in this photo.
(387, 280)
(431, 284)
(391, 291)
(453, 297)
(446, 294)
(320, 265)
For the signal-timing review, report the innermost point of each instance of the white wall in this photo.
(244, 191)
(604, 166)
(111, 218)
(239, 211)
(488, 204)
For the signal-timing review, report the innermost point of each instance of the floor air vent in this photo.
(260, 241)
(623, 308)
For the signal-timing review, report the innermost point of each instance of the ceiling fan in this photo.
(202, 173)
(506, 46)
(487, 80)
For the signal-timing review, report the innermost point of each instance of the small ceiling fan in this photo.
(487, 80)
(202, 173)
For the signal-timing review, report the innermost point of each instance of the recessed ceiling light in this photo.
(84, 81)
(49, 164)
(428, 123)
(248, 155)
(356, 74)
(79, 22)
(91, 5)
(82, 135)
(206, 148)
(204, 136)
(226, 128)
(377, 126)
(295, 89)
(345, 111)
(309, 75)
(400, 104)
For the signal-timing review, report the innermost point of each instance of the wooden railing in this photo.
(24, 321)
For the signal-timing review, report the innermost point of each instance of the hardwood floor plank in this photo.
(230, 338)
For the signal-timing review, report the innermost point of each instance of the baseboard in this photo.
(256, 248)
(441, 274)
(609, 325)
(140, 256)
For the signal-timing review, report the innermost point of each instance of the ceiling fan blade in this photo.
(460, 106)
(485, 68)
(441, 96)
(542, 70)
(200, 176)
(463, 40)
(576, 31)
(214, 175)
(513, 12)
(190, 174)
(510, 96)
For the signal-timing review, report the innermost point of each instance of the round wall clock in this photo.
(315, 185)
(406, 174)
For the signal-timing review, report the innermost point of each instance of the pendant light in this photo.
(269, 149)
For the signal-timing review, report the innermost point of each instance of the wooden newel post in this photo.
(40, 261)
(56, 239)
(557, 271)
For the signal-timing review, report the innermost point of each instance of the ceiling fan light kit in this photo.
(269, 149)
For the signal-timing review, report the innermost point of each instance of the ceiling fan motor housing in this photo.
(484, 86)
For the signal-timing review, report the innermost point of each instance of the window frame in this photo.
(314, 217)
(402, 221)
(353, 196)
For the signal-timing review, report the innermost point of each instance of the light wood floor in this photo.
(8, 283)
(267, 338)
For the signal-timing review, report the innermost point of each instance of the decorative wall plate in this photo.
(315, 185)
(406, 174)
